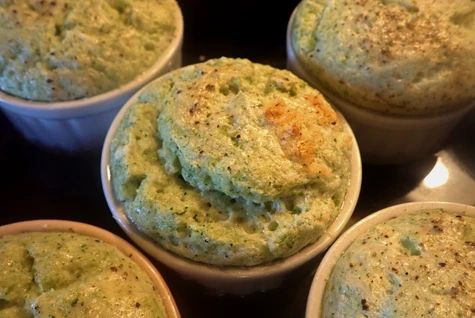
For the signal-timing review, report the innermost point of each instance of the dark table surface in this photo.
(37, 183)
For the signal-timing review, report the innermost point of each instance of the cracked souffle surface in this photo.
(231, 163)
(61, 274)
(66, 49)
(415, 265)
(404, 57)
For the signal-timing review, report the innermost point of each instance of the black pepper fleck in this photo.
(364, 304)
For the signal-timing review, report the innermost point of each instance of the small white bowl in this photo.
(69, 226)
(81, 125)
(384, 138)
(229, 280)
(315, 297)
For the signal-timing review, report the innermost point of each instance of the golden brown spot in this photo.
(327, 115)
(299, 136)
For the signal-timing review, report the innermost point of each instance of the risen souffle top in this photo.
(59, 50)
(416, 265)
(231, 163)
(394, 56)
(61, 274)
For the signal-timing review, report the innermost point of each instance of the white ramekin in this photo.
(81, 125)
(70, 226)
(384, 138)
(315, 297)
(229, 280)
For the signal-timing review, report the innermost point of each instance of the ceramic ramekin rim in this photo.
(53, 225)
(402, 121)
(317, 289)
(98, 103)
(228, 274)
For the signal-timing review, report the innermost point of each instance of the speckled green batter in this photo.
(393, 56)
(231, 163)
(415, 265)
(60, 274)
(56, 50)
